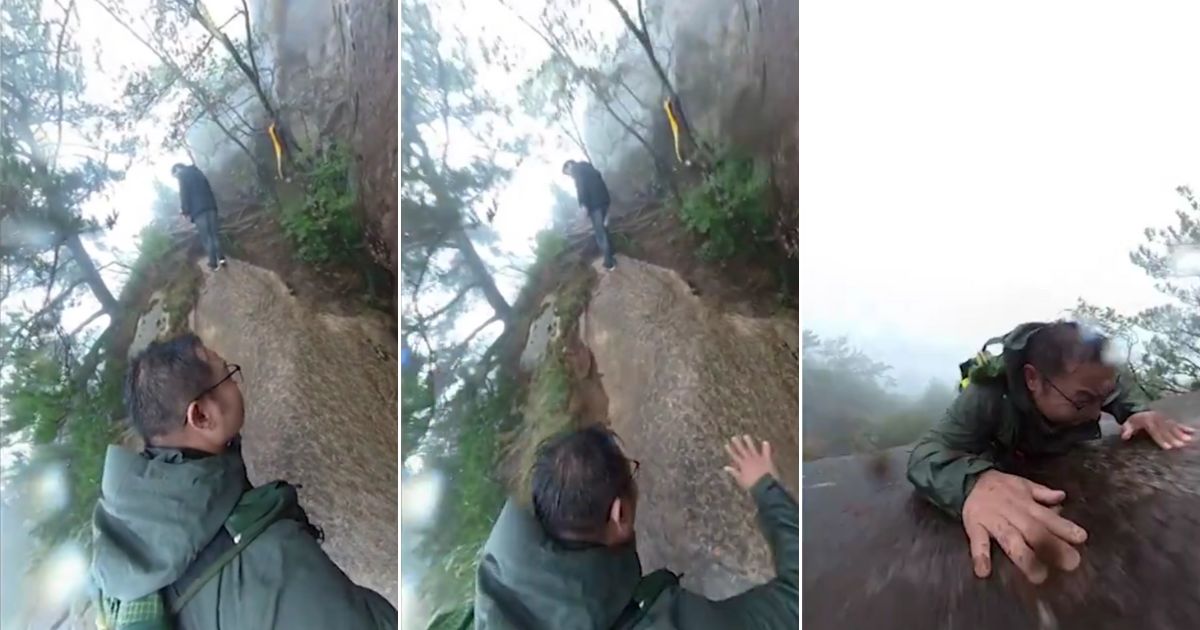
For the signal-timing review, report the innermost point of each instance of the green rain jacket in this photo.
(159, 509)
(526, 581)
(991, 424)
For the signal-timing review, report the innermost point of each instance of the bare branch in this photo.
(62, 36)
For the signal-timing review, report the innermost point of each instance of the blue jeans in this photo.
(206, 225)
(597, 216)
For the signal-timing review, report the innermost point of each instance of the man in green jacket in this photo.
(573, 563)
(1042, 396)
(169, 518)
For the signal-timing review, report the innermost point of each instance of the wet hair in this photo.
(162, 381)
(177, 167)
(1059, 344)
(567, 166)
(576, 477)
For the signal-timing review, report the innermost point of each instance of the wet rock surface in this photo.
(876, 556)
(320, 395)
(681, 378)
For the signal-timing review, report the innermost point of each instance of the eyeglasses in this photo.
(234, 370)
(1090, 400)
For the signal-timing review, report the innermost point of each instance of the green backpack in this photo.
(987, 367)
(257, 509)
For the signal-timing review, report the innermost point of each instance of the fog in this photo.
(964, 169)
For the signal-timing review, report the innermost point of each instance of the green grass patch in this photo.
(728, 209)
(573, 297)
(545, 415)
(321, 219)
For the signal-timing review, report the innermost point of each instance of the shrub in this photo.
(323, 226)
(728, 209)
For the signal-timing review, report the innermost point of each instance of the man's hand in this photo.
(749, 463)
(1015, 512)
(1165, 431)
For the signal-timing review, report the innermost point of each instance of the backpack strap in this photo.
(647, 591)
(256, 510)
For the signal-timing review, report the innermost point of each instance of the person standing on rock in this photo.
(572, 562)
(1043, 396)
(198, 204)
(182, 539)
(593, 200)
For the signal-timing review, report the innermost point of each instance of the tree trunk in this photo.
(643, 37)
(483, 276)
(91, 275)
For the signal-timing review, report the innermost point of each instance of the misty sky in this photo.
(966, 169)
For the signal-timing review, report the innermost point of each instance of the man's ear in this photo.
(196, 417)
(1032, 376)
(617, 511)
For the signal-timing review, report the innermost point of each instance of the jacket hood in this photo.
(157, 510)
(528, 581)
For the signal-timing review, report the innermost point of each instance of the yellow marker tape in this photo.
(278, 150)
(674, 127)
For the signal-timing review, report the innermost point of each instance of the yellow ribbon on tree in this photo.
(278, 149)
(674, 126)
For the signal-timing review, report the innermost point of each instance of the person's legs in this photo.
(598, 219)
(214, 226)
(205, 226)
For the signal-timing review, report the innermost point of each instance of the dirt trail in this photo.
(682, 377)
(321, 401)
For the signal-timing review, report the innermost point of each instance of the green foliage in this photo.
(728, 209)
(549, 244)
(849, 406)
(473, 496)
(1168, 334)
(324, 227)
(416, 403)
(63, 428)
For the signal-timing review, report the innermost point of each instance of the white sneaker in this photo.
(221, 263)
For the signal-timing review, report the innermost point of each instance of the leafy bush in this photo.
(548, 246)
(728, 209)
(324, 226)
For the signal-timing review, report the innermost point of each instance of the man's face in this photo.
(568, 168)
(222, 408)
(1076, 395)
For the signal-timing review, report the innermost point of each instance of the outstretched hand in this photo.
(1023, 517)
(750, 463)
(1162, 429)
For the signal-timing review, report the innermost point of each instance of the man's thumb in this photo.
(1126, 431)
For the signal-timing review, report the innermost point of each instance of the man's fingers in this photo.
(1127, 430)
(1181, 437)
(1058, 526)
(1058, 553)
(981, 548)
(1160, 436)
(1047, 496)
(732, 472)
(1013, 543)
(766, 449)
(1188, 430)
(732, 453)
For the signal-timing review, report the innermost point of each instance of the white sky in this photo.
(967, 167)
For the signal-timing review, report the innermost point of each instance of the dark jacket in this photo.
(195, 194)
(990, 424)
(159, 509)
(526, 581)
(589, 187)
